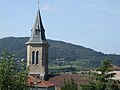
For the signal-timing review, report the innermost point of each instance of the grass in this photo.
(65, 66)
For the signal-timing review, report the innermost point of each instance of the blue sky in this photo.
(91, 23)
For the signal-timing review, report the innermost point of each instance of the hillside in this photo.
(60, 53)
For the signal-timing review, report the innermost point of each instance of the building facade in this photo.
(37, 50)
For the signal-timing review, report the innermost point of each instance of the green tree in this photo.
(10, 77)
(102, 80)
(70, 85)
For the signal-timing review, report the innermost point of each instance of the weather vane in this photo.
(38, 3)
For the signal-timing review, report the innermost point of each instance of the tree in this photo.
(102, 80)
(10, 77)
(70, 85)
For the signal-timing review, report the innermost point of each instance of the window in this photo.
(37, 56)
(37, 31)
(33, 57)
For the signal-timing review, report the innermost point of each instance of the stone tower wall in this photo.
(41, 68)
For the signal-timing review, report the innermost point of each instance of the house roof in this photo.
(39, 83)
(78, 79)
(115, 68)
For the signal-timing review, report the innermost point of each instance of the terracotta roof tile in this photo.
(78, 79)
(39, 83)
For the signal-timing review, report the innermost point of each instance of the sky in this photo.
(93, 24)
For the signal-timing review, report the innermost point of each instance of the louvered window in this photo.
(33, 57)
(37, 57)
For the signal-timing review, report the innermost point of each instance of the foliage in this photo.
(10, 77)
(102, 80)
(59, 70)
(60, 53)
(70, 85)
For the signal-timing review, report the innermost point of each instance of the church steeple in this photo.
(38, 31)
(37, 50)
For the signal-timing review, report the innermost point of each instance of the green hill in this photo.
(60, 53)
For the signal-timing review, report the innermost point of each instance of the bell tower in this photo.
(37, 50)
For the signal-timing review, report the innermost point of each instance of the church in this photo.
(37, 50)
(37, 57)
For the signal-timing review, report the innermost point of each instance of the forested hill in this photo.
(59, 51)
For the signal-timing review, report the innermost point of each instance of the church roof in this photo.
(39, 83)
(38, 31)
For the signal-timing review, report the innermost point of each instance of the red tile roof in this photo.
(78, 79)
(39, 83)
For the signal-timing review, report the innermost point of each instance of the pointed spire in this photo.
(38, 4)
(38, 32)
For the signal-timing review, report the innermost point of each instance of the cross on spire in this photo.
(38, 4)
